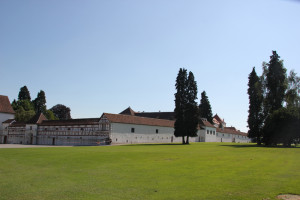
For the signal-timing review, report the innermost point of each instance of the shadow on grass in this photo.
(255, 145)
(161, 144)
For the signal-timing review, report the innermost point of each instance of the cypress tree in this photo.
(205, 108)
(276, 84)
(180, 104)
(186, 110)
(191, 116)
(255, 117)
(40, 102)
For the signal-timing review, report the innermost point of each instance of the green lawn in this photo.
(196, 171)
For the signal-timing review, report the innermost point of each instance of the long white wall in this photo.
(122, 133)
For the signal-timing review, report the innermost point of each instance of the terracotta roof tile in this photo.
(128, 119)
(128, 111)
(218, 118)
(37, 119)
(71, 122)
(231, 130)
(5, 106)
(8, 121)
(204, 122)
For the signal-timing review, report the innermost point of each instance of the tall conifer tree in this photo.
(276, 84)
(40, 102)
(255, 117)
(191, 120)
(180, 104)
(205, 108)
(24, 94)
(186, 110)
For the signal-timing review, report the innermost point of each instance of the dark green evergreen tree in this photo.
(186, 109)
(205, 108)
(283, 126)
(40, 102)
(276, 83)
(191, 115)
(255, 117)
(24, 94)
(180, 104)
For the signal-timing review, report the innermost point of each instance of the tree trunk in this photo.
(187, 140)
(183, 142)
(258, 140)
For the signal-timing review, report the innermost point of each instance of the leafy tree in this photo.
(23, 115)
(205, 108)
(292, 96)
(40, 102)
(61, 111)
(50, 115)
(276, 84)
(180, 104)
(283, 126)
(255, 117)
(24, 94)
(186, 110)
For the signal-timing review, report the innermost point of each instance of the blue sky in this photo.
(103, 56)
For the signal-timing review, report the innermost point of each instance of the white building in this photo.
(128, 127)
(6, 111)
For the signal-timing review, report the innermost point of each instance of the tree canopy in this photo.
(61, 111)
(24, 94)
(274, 104)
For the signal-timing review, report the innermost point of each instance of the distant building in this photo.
(128, 127)
(6, 111)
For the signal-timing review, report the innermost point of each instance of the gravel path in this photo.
(14, 146)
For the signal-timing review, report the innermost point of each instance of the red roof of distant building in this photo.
(128, 119)
(218, 118)
(204, 122)
(70, 122)
(5, 106)
(231, 130)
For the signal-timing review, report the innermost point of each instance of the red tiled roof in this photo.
(37, 119)
(8, 121)
(128, 111)
(218, 118)
(128, 119)
(231, 130)
(206, 123)
(18, 124)
(70, 122)
(5, 106)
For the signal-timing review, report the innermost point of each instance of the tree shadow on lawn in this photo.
(262, 146)
(152, 144)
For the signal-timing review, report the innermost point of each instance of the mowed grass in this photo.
(196, 171)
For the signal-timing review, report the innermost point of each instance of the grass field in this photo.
(196, 171)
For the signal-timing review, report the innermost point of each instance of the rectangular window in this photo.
(30, 127)
(207, 131)
(156, 131)
(132, 130)
(210, 132)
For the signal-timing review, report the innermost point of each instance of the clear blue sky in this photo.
(103, 56)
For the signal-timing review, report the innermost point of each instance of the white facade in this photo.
(4, 117)
(134, 133)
